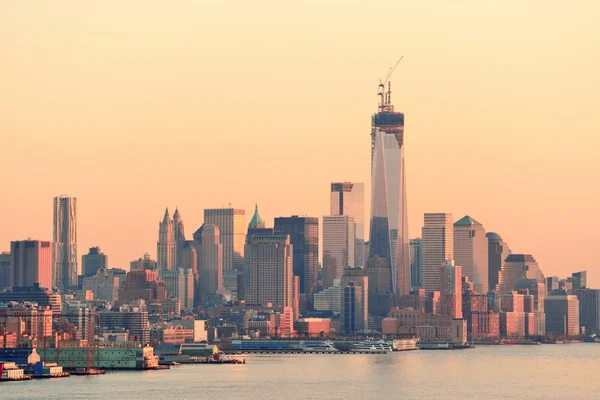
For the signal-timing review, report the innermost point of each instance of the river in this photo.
(568, 371)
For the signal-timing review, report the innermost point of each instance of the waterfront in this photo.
(488, 372)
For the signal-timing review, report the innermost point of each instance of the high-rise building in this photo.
(358, 277)
(104, 285)
(179, 284)
(232, 228)
(338, 247)
(579, 279)
(352, 308)
(516, 267)
(179, 237)
(144, 285)
(498, 250)
(30, 262)
(256, 227)
(210, 260)
(471, 252)
(451, 289)
(271, 271)
(437, 246)
(133, 320)
(552, 283)
(562, 315)
(589, 309)
(4, 270)
(304, 236)
(44, 297)
(166, 243)
(64, 251)
(143, 263)
(93, 261)
(348, 198)
(416, 262)
(389, 219)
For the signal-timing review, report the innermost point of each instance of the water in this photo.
(488, 372)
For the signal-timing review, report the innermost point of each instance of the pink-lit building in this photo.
(512, 324)
(451, 290)
(31, 261)
(313, 327)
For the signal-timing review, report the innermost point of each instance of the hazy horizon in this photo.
(134, 107)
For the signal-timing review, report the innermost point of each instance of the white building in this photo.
(471, 252)
(348, 198)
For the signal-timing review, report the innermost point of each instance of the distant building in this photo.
(166, 243)
(104, 285)
(579, 280)
(134, 321)
(179, 238)
(416, 262)
(64, 250)
(562, 315)
(144, 263)
(93, 261)
(437, 245)
(358, 277)
(348, 198)
(232, 229)
(589, 309)
(210, 260)
(498, 250)
(451, 290)
(142, 285)
(4, 271)
(338, 247)
(179, 283)
(329, 299)
(30, 262)
(389, 216)
(471, 251)
(552, 283)
(271, 271)
(516, 267)
(352, 309)
(34, 294)
(304, 237)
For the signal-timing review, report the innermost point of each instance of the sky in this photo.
(139, 105)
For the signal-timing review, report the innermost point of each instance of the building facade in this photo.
(389, 218)
(304, 236)
(437, 246)
(93, 261)
(64, 247)
(30, 262)
(562, 316)
(498, 251)
(271, 271)
(471, 252)
(416, 262)
(348, 198)
(516, 267)
(165, 247)
(338, 247)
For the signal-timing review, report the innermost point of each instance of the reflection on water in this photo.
(494, 372)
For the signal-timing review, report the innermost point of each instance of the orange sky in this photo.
(133, 106)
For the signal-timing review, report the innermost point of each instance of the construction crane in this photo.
(386, 98)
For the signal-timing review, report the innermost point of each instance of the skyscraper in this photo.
(271, 271)
(338, 247)
(451, 290)
(30, 262)
(498, 250)
(562, 316)
(93, 261)
(471, 252)
(304, 236)
(232, 228)
(5, 270)
(64, 250)
(352, 308)
(210, 260)
(437, 245)
(348, 198)
(179, 237)
(416, 262)
(358, 277)
(166, 243)
(389, 220)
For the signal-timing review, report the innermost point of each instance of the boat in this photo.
(319, 346)
(379, 347)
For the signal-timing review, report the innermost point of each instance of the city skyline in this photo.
(465, 91)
